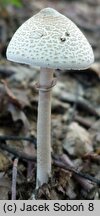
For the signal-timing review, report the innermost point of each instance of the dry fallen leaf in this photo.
(78, 141)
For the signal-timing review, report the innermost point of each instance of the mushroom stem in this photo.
(44, 127)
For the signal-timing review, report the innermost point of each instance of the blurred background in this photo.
(75, 106)
(85, 13)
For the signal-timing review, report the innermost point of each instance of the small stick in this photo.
(84, 179)
(30, 139)
(14, 178)
(86, 123)
(56, 161)
(19, 154)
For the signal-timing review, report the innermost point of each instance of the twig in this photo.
(66, 160)
(14, 178)
(86, 123)
(79, 174)
(84, 179)
(20, 155)
(57, 162)
(14, 138)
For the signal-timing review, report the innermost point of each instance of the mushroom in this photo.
(51, 41)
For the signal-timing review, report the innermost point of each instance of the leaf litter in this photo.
(75, 130)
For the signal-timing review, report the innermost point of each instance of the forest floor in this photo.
(75, 124)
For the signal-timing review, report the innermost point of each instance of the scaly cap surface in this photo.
(49, 39)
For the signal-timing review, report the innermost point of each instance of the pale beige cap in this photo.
(50, 40)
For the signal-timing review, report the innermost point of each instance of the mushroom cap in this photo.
(50, 40)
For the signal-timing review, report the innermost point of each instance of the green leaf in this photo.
(16, 3)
